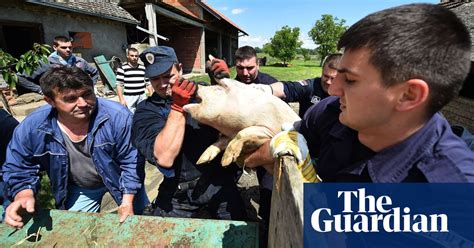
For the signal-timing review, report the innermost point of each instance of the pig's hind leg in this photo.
(213, 150)
(248, 139)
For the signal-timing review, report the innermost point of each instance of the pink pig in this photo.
(245, 116)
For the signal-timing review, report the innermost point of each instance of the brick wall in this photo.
(188, 49)
(460, 111)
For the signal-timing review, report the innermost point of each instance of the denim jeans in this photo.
(89, 200)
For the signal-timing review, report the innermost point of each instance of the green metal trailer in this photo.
(58, 228)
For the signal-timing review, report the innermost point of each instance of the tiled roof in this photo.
(219, 15)
(454, 4)
(107, 10)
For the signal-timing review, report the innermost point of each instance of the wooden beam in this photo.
(152, 24)
(286, 217)
(175, 16)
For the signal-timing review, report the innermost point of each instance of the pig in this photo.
(245, 116)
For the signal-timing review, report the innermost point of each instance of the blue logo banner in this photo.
(389, 215)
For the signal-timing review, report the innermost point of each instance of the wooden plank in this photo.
(106, 71)
(286, 217)
(181, 18)
(5, 104)
(58, 228)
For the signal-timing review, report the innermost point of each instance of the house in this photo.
(96, 27)
(192, 27)
(461, 110)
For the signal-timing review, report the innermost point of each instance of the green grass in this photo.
(297, 70)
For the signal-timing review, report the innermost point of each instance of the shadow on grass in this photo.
(290, 65)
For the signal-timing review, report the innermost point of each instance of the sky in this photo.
(262, 18)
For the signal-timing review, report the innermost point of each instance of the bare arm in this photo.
(261, 157)
(120, 85)
(168, 142)
(126, 208)
(120, 95)
(278, 90)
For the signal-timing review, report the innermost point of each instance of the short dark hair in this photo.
(332, 60)
(60, 38)
(415, 41)
(64, 77)
(245, 52)
(132, 49)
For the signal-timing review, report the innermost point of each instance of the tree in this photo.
(9, 65)
(267, 48)
(326, 33)
(305, 53)
(285, 44)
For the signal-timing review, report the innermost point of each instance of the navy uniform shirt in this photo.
(150, 118)
(432, 154)
(306, 92)
(262, 78)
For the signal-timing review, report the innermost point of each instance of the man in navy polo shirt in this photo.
(246, 65)
(307, 92)
(383, 125)
(173, 141)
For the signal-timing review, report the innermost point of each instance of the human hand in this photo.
(24, 200)
(123, 102)
(259, 157)
(182, 91)
(126, 208)
(217, 69)
(290, 142)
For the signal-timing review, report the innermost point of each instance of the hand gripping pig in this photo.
(246, 117)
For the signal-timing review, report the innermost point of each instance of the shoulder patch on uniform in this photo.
(304, 82)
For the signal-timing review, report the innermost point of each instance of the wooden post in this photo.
(6, 106)
(286, 217)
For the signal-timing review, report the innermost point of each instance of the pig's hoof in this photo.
(228, 159)
(209, 154)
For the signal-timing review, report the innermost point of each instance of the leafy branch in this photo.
(27, 62)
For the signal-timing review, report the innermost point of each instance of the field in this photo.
(298, 70)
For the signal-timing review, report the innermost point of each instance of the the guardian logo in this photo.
(374, 215)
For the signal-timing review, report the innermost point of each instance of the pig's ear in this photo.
(226, 83)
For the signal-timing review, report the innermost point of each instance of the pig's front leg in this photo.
(213, 150)
(248, 139)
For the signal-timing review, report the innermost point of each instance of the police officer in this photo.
(173, 141)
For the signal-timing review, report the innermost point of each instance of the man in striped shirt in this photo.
(131, 81)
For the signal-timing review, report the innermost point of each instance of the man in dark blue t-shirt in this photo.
(383, 125)
(246, 66)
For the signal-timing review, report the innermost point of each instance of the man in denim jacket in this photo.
(82, 142)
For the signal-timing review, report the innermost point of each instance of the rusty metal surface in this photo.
(56, 228)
